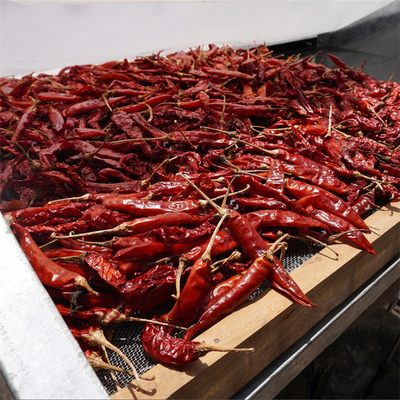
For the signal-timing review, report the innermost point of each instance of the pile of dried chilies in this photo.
(115, 176)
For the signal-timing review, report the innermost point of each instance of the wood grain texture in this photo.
(271, 323)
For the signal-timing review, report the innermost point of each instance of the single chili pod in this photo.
(162, 347)
(49, 272)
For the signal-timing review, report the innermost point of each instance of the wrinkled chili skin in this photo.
(149, 208)
(107, 269)
(234, 297)
(162, 347)
(326, 200)
(263, 218)
(149, 289)
(49, 272)
(193, 294)
(354, 238)
(364, 203)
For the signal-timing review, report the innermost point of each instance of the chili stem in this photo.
(204, 348)
(97, 337)
(134, 319)
(113, 377)
(232, 194)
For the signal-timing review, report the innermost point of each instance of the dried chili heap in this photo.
(136, 149)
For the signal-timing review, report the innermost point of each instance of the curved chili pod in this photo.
(162, 347)
(263, 218)
(235, 296)
(193, 294)
(351, 235)
(325, 200)
(150, 207)
(49, 272)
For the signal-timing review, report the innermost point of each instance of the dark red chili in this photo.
(150, 289)
(162, 347)
(56, 119)
(351, 235)
(143, 106)
(237, 295)
(57, 96)
(22, 87)
(24, 123)
(149, 207)
(49, 272)
(193, 294)
(263, 218)
(324, 200)
(90, 105)
(364, 203)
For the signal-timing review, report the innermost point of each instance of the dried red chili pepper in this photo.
(24, 123)
(196, 287)
(276, 177)
(263, 218)
(49, 272)
(106, 268)
(22, 87)
(57, 96)
(149, 207)
(75, 245)
(84, 133)
(349, 234)
(162, 347)
(260, 203)
(325, 200)
(143, 106)
(364, 203)
(90, 105)
(150, 250)
(261, 267)
(150, 289)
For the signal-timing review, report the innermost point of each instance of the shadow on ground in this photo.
(363, 363)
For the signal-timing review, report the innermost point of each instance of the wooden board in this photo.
(271, 323)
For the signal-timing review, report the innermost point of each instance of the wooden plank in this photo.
(271, 323)
(279, 374)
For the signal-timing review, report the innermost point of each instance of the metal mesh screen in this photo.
(127, 335)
